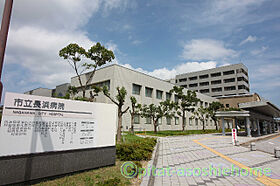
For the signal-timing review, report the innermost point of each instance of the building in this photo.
(146, 89)
(41, 92)
(59, 91)
(222, 81)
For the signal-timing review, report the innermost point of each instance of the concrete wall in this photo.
(61, 90)
(235, 100)
(40, 92)
(121, 76)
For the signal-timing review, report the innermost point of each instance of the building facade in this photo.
(222, 81)
(41, 92)
(146, 89)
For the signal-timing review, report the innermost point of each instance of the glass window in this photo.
(159, 121)
(206, 104)
(168, 120)
(176, 120)
(196, 122)
(148, 120)
(168, 96)
(159, 94)
(190, 121)
(148, 92)
(136, 119)
(136, 89)
(176, 98)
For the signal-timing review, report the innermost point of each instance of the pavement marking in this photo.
(275, 137)
(263, 179)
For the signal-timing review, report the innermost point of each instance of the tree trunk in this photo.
(119, 128)
(184, 121)
(216, 124)
(203, 127)
(84, 93)
(155, 126)
(132, 126)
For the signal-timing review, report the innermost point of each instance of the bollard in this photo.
(253, 147)
(237, 143)
(277, 152)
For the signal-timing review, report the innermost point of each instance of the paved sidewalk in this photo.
(183, 155)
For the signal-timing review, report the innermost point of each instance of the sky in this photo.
(159, 37)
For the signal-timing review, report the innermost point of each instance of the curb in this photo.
(260, 138)
(149, 179)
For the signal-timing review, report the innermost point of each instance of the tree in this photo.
(119, 100)
(212, 109)
(97, 54)
(72, 91)
(135, 110)
(156, 112)
(202, 114)
(186, 102)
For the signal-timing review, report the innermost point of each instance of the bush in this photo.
(137, 150)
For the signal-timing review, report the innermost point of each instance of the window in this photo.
(136, 119)
(228, 72)
(183, 80)
(168, 96)
(229, 80)
(201, 103)
(193, 85)
(159, 121)
(136, 89)
(230, 88)
(168, 120)
(227, 105)
(102, 84)
(240, 87)
(159, 94)
(204, 76)
(216, 82)
(217, 89)
(193, 78)
(148, 92)
(204, 91)
(206, 104)
(184, 86)
(176, 120)
(148, 120)
(190, 121)
(176, 99)
(241, 70)
(242, 79)
(196, 122)
(203, 83)
(216, 74)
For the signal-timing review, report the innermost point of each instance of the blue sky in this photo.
(158, 37)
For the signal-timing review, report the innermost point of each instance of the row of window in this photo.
(220, 89)
(216, 74)
(169, 121)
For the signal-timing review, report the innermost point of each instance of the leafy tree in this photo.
(72, 91)
(119, 100)
(186, 102)
(97, 54)
(156, 112)
(212, 109)
(135, 110)
(202, 114)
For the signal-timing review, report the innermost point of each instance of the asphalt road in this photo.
(268, 145)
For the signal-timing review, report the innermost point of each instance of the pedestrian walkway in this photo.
(187, 160)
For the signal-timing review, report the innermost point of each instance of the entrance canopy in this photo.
(262, 107)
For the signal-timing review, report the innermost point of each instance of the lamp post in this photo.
(4, 35)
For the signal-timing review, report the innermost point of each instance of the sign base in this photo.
(24, 168)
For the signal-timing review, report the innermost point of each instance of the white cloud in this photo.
(248, 39)
(165, 74)
(259, 51)
(207, 49)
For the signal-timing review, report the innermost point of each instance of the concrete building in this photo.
(61, 90)
(146, 89)
(222, 81)
(41, 92)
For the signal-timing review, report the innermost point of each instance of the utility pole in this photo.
(4, 35)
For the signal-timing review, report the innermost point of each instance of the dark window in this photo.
(159, 94)
(204, 91)
(203, 83)
(184, 86)
(229, 80)
(193, 78)
(168, 96)
(168, 120)
(136, 119)
(176, 120)
(230, 88)
(148, 92)
(204, 76)
(228, 72)
(183, 80)
(216, 82)
(227, 105)
(216, 74)
(102, 84)
(136, 89)
(242, 79)
(176, 99)
(193, 85)
(217, 89)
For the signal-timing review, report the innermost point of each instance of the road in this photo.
(268, 145)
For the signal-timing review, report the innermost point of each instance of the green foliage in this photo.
(110, 182)
(136, 149)
(135, 110)
(81, 99)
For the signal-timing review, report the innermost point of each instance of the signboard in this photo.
(34, 124)
(234, 136)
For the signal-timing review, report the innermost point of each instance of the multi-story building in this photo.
(146, 89)
(222, 81)
(59, 91)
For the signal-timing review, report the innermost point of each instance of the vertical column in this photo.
(223, 126)
(265, 127)
(273, 126)
(269, 128)
(258, 127)
(248, 126)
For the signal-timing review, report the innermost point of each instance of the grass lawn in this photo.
(180, 132)
(107, 176)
